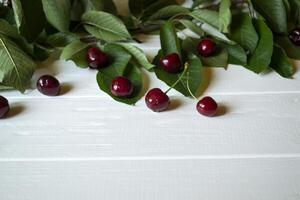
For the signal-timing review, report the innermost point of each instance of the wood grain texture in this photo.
(84, 146)
(259, 179)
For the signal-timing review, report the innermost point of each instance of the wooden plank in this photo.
(100, 127)
(247, 179)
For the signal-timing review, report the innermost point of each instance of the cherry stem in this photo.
(188, 86)
(186, 65)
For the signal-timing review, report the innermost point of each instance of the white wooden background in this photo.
(84, 146)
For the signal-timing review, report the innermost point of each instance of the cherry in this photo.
(96, 58)
(121, 87)
(171, 63)
(207, 107)
(206, 47)
(157, 100)
(4, 107)
(48, 85)
(295, 36)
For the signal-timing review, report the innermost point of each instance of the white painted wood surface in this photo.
(84, 146)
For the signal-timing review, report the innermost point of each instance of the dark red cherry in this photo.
(157, 100)
(295, 36)
(48, 85)
(4, 107)
(207, 107)
(171, 63)
(96, 58)
(206, 47)
(121, 87)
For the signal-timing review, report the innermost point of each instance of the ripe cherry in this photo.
(207, 107)
(171, 63)
(96, 58)
(121, 87)
(206, 47)
(295, 36)
(4, 107)
(48, 85)
(157, 100)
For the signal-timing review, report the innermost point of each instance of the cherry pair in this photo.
(158, 101)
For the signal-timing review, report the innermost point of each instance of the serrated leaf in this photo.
(154, 7)
(197, 3)
(294, 11)
(274, 12)
(61, 39)
(105, 26)
(58, 13)
(100, 5)
(212, 31)
(8, 30)
(138, 55)
(137, 6)
(76, 51)
(259, 61)
(29, 17)
(120, 66)
(236, 55)
(291, 50)
(16, 67)
(193, 77)
(168, 12)
(169, 40)
(206, 16)
(192, 26)
(224, 16)
(119, 58)
(41, 53)
(219, 59)
(243, 32)
(280, 63)
(3, 87)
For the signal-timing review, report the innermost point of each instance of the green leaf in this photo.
(192, 26)
(243, 32)
(105, 26)
(16, 68)
(76, 51)
(292, 50)
(206, 16)
(219, 59)
(154, 7)
(29, 17)
(100, 5)
(212, 31)
(120, 66)
(169, 40)
(137, 6)
(236, 55)
(274, 12)
(41, 53)
(168, 12)
(58, 13)
(119, 58)
(294, 11)
(8, 30)
(61, 39)
(259, 61)
(193, 77)
(197, 3)
(224, 16)
(3, 87)
(280, 63)
(138, 55)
